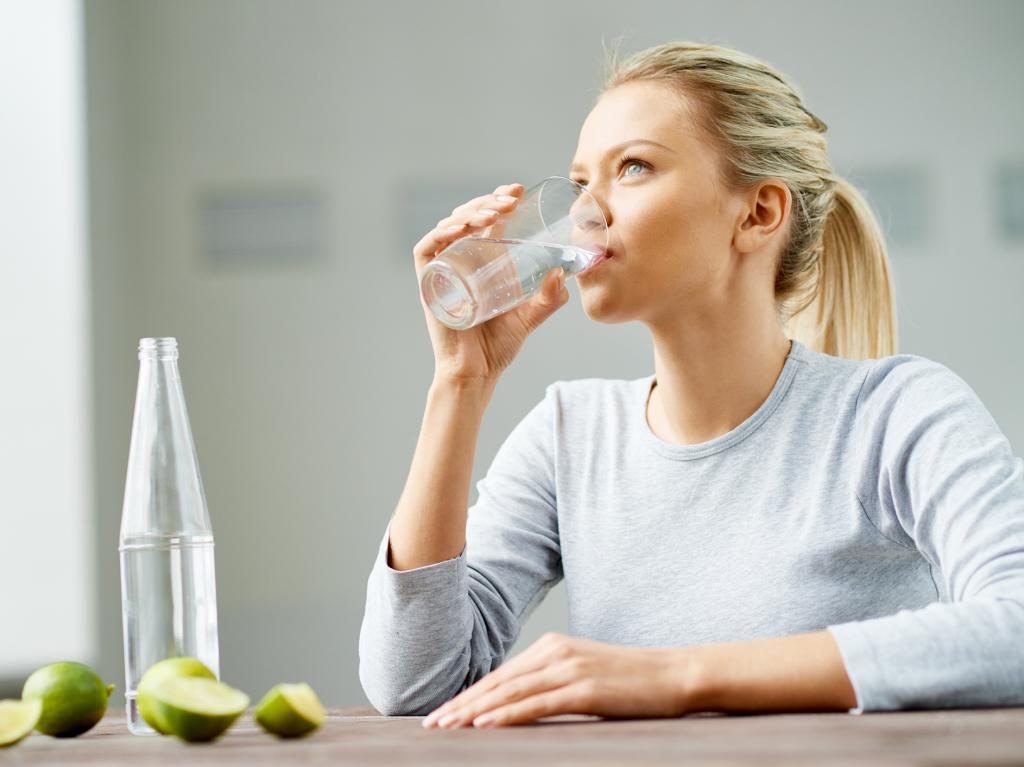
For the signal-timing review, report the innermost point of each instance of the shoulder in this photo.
(909, 386)
(574, 413)
(596, 398)
(908, 402)
(588, 407)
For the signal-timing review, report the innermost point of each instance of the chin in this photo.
(601, 305)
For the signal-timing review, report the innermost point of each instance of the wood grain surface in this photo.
(361, 736)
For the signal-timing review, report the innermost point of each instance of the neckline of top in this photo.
(797, 354)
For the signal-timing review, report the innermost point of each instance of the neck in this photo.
(711, 377)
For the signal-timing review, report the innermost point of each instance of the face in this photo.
(670, 223)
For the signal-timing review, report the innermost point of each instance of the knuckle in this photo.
(561, 649)
(577, 665)
(517, 690)
(543, 706)
(587, 689)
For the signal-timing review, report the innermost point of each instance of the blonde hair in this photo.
(833, 287)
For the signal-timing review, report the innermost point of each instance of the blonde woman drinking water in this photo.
(785, 516)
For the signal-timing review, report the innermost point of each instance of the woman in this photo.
(785, 516)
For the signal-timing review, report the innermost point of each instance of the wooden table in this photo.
(361, 736)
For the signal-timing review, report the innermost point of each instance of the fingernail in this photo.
(486, 212)
(505, 198)
(447, 719)
(453, 227)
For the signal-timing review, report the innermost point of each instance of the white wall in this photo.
(47, 565)
(306, 383)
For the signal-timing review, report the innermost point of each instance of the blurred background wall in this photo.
(306, 366)
(48, 594)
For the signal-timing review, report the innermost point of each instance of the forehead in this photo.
(639, 110)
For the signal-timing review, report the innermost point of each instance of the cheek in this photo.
(666, 231)
(675, 243)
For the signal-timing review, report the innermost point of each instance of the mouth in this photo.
(600, 256)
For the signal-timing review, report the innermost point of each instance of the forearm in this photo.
(429, 523)
(804, 672)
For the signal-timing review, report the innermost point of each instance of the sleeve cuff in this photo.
(844, 637)
(449, 574)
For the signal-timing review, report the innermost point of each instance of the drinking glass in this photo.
(557, 223)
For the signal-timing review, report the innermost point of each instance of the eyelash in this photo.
(624, 162)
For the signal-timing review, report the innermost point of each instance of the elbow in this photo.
(386, 699)
(393, 696)
(388, 703)
(397, 689)
(385, 689)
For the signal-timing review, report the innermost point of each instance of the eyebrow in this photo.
(619, 147)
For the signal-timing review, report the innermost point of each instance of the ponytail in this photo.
(852, 311)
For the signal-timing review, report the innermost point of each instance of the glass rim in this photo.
(580, 191)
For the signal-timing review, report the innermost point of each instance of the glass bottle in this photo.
(168, 589)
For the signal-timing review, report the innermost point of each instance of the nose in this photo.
(588, 214)
(590, 230)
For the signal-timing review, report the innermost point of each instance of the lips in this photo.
(601, 255)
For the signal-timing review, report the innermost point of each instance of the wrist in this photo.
(460, 385)
(689, 683)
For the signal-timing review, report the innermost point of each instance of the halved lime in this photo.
(197, 709)
(17, 719)
(74, 698)
(290, 710)
(165, 669)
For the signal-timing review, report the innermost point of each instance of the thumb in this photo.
(550, 298)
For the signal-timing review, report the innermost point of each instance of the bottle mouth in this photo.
(158, 348)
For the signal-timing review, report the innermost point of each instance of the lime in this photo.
(165, 669)
(74, 698)
(17, 719)
(290, 710)
(196, 709)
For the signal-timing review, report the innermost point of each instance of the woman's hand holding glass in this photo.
(481, 353)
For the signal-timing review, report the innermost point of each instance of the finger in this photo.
(504, 202)
(563, 700)
(512, 189)
(531, 659)
(503, 199)
(447, 230)
(484, 686)
(509, 691)
(541, 654)
(508, 197)
(550, 298)
(452, 228)
(436, 240)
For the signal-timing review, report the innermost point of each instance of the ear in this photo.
(763, 216)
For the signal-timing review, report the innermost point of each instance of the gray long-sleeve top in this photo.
(876, 499)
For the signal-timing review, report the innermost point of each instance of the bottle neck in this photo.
(158, 349)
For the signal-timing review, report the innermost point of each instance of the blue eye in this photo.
(630, 162)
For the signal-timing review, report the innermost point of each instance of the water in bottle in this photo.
(168, 587)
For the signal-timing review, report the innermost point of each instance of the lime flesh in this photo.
(73, 697)
(165, 669)
(290, 710)
(197, 709)
(17, 719)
